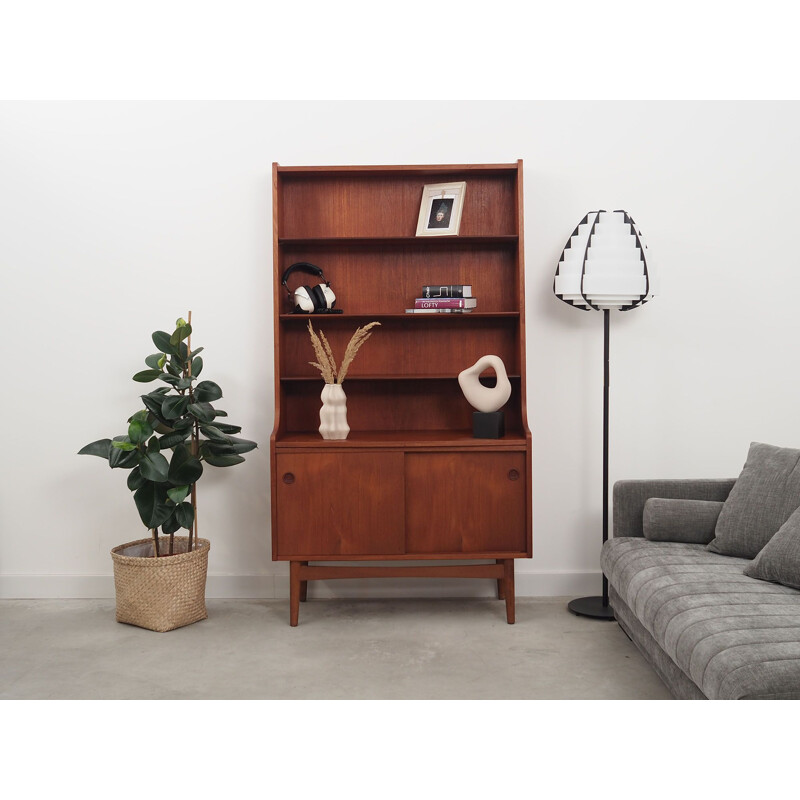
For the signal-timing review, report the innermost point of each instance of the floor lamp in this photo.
(603, 267)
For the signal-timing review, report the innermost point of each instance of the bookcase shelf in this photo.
(410, 480)
(358, 319)
(388, 377)
(405, 440)
(461, 242)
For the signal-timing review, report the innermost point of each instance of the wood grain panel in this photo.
(369, 205)
(394, 405)
(465, 502)
(386, 279)
(323, 507)
(418, 346)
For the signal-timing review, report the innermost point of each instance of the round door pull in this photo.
(513, 475)
(288, 477)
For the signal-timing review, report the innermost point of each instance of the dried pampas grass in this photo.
(326, 363)
(358, 338)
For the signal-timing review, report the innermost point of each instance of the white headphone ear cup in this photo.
(303, 300)
(330, 297)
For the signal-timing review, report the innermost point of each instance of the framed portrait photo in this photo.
(440, 211)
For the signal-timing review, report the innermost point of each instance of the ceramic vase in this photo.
(333, 414)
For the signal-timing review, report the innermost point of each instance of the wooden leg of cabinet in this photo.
(304, 586)
(501, 589)
(294, 592)
(508, 581)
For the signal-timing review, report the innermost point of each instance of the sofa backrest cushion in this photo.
(764, 496)
(690, 521)
(779, 561)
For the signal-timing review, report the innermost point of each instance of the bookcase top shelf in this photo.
(403, 440)
(380, 170)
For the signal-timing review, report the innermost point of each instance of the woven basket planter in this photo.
(165, 593)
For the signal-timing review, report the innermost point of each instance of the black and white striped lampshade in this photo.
(604, 264)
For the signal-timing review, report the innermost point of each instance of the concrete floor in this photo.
(342, 649)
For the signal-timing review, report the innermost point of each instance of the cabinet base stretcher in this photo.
(300, 573)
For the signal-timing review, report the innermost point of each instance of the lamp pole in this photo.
(598, 607)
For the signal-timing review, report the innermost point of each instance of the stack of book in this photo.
(449, 299)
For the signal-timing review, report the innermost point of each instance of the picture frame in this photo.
(440, 210)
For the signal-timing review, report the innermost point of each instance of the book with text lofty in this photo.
(447, 290)
(445, 302)
(438, 311)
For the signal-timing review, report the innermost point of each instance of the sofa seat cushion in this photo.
(733, 636)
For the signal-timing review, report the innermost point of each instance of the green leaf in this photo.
(154, 402)
(197, 351)
(122, 458)
(135, 479)
(102, 448)
(154, 467)
(184, 383)
(173, 367)
(175, 407)
(126, 446)
(147, 375)
(153, 446)
(226, 428)
(242, 445)
(207, 392)
(167, 378)
(172, 439)
(197, 366)
(233, 445)
(222, 460)
(140, 430)
(181, 332)
(178, 494)
(184, 468)
(154, 361)
(203, 411)
(161, 339)
(171, 525)
(214, 433)
(185, 515)
(183, 424)
(151, 503)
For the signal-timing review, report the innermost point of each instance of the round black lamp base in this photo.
(591, 607)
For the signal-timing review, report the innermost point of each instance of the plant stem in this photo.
(195, 429)
(155, 541)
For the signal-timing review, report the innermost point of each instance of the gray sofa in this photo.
(708, 630)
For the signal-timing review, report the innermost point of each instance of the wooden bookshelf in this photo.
(410, 481)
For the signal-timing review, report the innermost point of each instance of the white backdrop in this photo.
(115, 219)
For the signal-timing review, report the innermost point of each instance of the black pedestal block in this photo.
(488, 425)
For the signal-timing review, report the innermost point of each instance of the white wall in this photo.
(117, 218)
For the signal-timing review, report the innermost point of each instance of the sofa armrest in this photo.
(629, 498)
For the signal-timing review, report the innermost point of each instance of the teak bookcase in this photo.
(410, 482)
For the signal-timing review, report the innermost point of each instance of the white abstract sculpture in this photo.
(485, 398)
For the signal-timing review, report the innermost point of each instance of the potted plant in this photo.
(160, 580)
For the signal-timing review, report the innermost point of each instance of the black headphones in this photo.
(318, 299)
